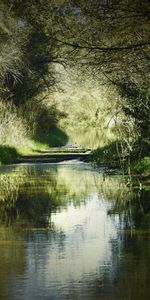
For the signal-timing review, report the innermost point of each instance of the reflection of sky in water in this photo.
(77, 251)
(84, 254)
(88, 231)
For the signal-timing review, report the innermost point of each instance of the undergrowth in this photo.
(8, 155)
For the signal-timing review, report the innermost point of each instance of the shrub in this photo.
(142, 166)
(106, 154)
(8, 154)
(12, 128)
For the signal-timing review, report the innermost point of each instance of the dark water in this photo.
(70, 232)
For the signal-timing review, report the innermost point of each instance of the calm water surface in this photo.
(68, 231)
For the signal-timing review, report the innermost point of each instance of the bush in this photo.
(12, 127)
(142, 166)
(105, 154)
(8, 155)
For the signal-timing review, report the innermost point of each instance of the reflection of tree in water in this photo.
(131, 204)
(131, 275)
(12, 260)
(28, 194)
(127, 276)
(134, 212)
(139, 210)
(90, 137)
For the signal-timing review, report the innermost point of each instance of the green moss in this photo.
(8, 154)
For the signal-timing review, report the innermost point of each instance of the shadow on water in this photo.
(68, 231)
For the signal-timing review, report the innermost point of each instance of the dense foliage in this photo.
(103, 45)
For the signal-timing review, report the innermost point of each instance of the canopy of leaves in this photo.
(109, 37)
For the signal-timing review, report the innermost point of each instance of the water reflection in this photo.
(91, 137)
(71, 232)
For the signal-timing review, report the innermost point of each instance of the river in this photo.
(69, 231)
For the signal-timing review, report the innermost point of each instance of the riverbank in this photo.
(39, 153)
(111, 155)
(25, 145)
(53, 157)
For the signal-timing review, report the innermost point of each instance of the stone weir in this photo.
(53, 157)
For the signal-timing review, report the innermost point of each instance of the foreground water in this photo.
(68, 231)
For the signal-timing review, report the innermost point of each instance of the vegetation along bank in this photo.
(84, 82)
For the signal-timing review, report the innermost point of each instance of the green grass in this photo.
(41, 143)
(44, 142)
(8, 154)
(33, 148)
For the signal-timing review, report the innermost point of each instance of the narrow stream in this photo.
(68, 231)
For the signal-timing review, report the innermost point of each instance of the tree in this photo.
(109, 37)
(112, 37)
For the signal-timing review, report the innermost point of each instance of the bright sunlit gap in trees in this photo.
(90, 108)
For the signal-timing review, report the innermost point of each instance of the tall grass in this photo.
(29, 132)
(13, 131)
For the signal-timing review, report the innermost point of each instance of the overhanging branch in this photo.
(105, 49)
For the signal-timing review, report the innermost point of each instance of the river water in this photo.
(68, 231)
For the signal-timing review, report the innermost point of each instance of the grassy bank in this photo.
(24, 145)
(111, 155)
(42, 144)
(106, 155)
